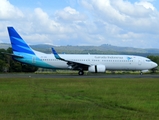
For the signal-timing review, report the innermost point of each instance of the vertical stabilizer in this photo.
(18, 44)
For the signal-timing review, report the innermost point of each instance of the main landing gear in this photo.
(81, 72)
(141, 73)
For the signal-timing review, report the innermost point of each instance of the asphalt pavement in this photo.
(32, 75)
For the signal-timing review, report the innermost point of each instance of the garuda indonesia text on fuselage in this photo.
(23, 53)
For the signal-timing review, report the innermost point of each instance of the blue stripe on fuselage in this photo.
(33, 60)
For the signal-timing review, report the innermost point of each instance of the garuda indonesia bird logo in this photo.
(129, 58)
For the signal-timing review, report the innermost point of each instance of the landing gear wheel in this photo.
(80, 72)
(140, 73)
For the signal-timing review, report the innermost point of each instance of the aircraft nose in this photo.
(154, 64)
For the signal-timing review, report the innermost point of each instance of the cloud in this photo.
(123, 12)
(44, 21)
(94, 22)
(139, 17)
(69, 14)
(146, 4)
(8, 11)
(50, 29)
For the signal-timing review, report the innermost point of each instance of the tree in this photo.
(2, 64)
(154, 58)
(8, 64)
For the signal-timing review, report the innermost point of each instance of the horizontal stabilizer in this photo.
(13, 55)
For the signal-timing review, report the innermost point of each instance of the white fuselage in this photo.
(111, 62)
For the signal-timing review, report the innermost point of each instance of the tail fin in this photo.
(18, 44)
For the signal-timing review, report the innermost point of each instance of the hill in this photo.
(4, 46)
(102, 49)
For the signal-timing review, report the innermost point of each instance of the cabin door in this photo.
(139, 62)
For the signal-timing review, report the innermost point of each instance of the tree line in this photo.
(154, 59)
(7, 64)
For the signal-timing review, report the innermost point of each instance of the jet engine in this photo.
(97, 68)
(144, 71)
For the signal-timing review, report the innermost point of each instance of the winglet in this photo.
(56, 55)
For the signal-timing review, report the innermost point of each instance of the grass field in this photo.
(83, 99)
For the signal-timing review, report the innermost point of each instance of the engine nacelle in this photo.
(97, 68)
(144, 71)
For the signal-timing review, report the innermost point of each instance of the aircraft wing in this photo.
(72, 64)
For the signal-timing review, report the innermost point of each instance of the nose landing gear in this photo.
(81, 72)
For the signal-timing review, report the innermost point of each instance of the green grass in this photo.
(83, 99)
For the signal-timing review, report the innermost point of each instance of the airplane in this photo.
(94, 63)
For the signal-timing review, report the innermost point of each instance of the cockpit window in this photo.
(148, 60)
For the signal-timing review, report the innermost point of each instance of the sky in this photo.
(125, 23)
